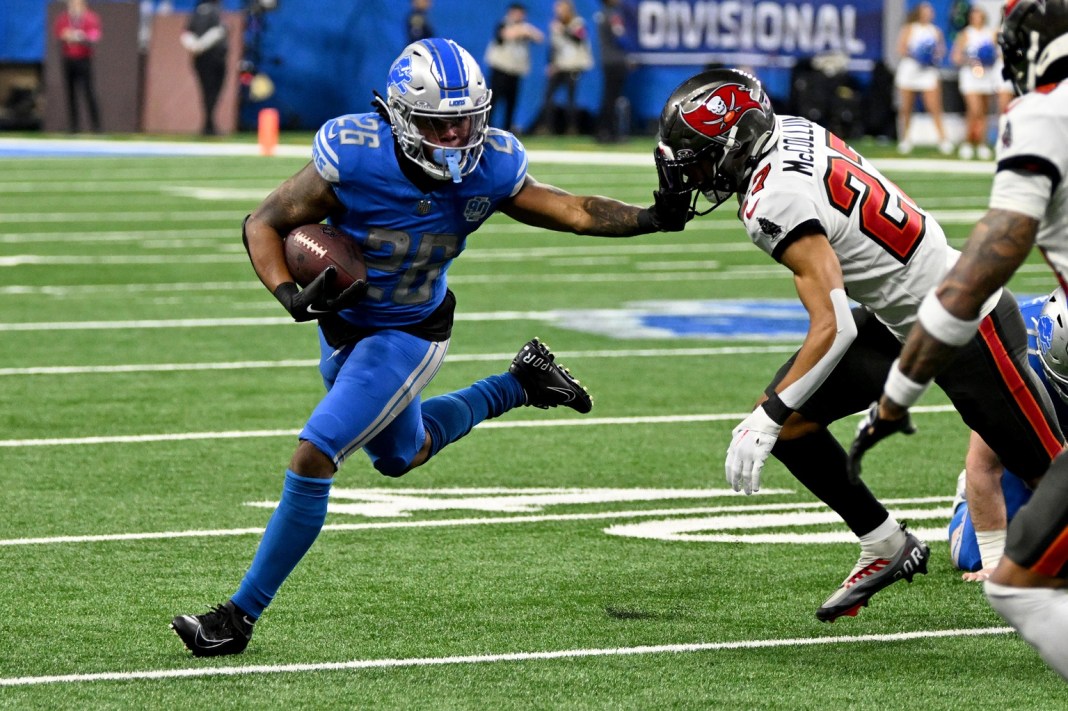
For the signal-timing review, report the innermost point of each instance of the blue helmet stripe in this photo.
(449, 65)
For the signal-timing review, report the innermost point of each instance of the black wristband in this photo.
(646, 221)
(285, 293)
(776, 409)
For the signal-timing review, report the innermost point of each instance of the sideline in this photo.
(494, 658)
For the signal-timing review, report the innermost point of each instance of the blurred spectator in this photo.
(78, 29)
(149, 9)
(975, 51)
(921, 47)
(418, 25)
(508, 57)
(611, 35)
(569, 56)
(822, 90)
(206, 39)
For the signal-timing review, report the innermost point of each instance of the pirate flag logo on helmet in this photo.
(721, 111)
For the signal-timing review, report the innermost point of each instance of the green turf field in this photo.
(152, 389)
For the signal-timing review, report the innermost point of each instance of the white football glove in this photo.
(753, 439)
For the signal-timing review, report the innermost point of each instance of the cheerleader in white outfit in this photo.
(975, 51)
(921, 47)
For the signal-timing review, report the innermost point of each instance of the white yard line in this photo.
(104, 147)
(491, 424)
(709, 272)
(126, 325)
(19, 260)
(474, 316)
(230, 217)
(453, 358)
(231, 220)
(199, 672)
(740, 271)
(487, 521)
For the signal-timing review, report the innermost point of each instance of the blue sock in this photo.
(449, 417)
(290, 533)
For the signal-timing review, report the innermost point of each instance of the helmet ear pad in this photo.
(437, 83)
(716, 126)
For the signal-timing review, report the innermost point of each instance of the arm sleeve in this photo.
(798, 392)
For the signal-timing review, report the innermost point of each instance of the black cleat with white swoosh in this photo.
(545, 382)
(224, 630)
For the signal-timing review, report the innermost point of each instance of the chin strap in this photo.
(712, 205)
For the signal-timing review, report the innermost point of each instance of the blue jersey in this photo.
(408, 238)
(963, 545)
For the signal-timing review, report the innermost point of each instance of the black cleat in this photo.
(546, 383)
(224, 630)
(869, 577)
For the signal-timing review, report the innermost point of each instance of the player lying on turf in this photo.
(988, 494)
(409, 182)
(822, 210)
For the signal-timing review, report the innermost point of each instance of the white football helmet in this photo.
(1052, 337)
(437, 89)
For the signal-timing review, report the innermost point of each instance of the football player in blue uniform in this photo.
(408, 182)
(988, 495)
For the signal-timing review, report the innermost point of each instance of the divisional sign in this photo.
(755, 34)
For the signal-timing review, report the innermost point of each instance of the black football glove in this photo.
(349, 297)
(312, 301)
(871, 430)
(670, 211)
(672, 202)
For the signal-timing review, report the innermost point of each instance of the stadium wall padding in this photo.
(325, 56)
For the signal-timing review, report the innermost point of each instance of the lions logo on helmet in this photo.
(1045, 332)
(399, 75)
(722, 110)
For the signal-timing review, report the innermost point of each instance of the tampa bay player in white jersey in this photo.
(1028, 207)
(408, 182)
(821, 209)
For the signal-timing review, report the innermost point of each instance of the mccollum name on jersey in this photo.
(799, 142)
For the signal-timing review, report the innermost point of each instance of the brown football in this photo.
(312, 248)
